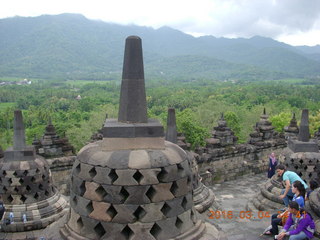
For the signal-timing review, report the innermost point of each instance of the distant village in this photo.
(23, 82)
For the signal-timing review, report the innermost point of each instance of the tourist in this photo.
(299, 225)
(289, 178)
(272, 165)
(313, 185)
(280, 219)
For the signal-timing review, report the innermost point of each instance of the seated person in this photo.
(280, 219)
(313, 185)
(289, 178)
(299, 225)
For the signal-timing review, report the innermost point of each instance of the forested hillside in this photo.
(198, 105)
(69, 46)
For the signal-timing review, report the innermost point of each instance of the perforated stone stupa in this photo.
(26, 186)
(305, 155)
(203, 197)
(133, 184)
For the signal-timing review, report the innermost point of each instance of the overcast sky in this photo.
(296, 22)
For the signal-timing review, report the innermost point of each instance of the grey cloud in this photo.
(269, 18)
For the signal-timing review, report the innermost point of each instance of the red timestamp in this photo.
(238, 215)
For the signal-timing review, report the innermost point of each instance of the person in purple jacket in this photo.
(299, 225)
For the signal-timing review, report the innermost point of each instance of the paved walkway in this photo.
(233, 197)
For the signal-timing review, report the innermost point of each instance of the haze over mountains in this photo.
(69, 46)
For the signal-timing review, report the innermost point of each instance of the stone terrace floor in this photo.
(233, 196)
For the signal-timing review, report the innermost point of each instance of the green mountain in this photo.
(69, 46)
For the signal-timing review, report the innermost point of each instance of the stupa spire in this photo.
(171, 134)
(133, 106)
(304, 134)
(19, 138)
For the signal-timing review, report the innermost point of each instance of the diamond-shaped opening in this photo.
(80, 223)
(36, 196)
(37, 170)
(43, 177)
(16, 189)
(93, 172)
(155, 231)
(124, 194)
(75, 200)
(82, 188)
(180, 168)
(301, 161)
(300, 174)
(162, 174)
(127, 232)
(46, 193)
(4, 173)
(112, 212)
(28, 188)
(40, 186)
(189, 181)
(174, 188)
(139, 213)
(89, 207)
(310, 175)
(21, 181)
(138, 176)
(178, 223)
(25, 172)
(306, 167)
(99, 229)
(184, 203)
(10, 198)
(101, 192)
(113, 175)
(15, 174)
(165, 209)
(151, 193)
(4, 189)
(23, 198)
(77, 170)
(10, 181)
(33, 179)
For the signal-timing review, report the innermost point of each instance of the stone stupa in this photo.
(52, 145)
(26, 188)
(292, 131)
(133, 184)
(203, 197)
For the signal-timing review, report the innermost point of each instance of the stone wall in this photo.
(233, 164)
(61, 172)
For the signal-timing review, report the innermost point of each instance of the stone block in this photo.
(137, 194)
(126, 177)
(149, 176)
(160, 192)
(139, 159)
(125, 213)
(102, 175)
(152, 212)
(100, 211)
